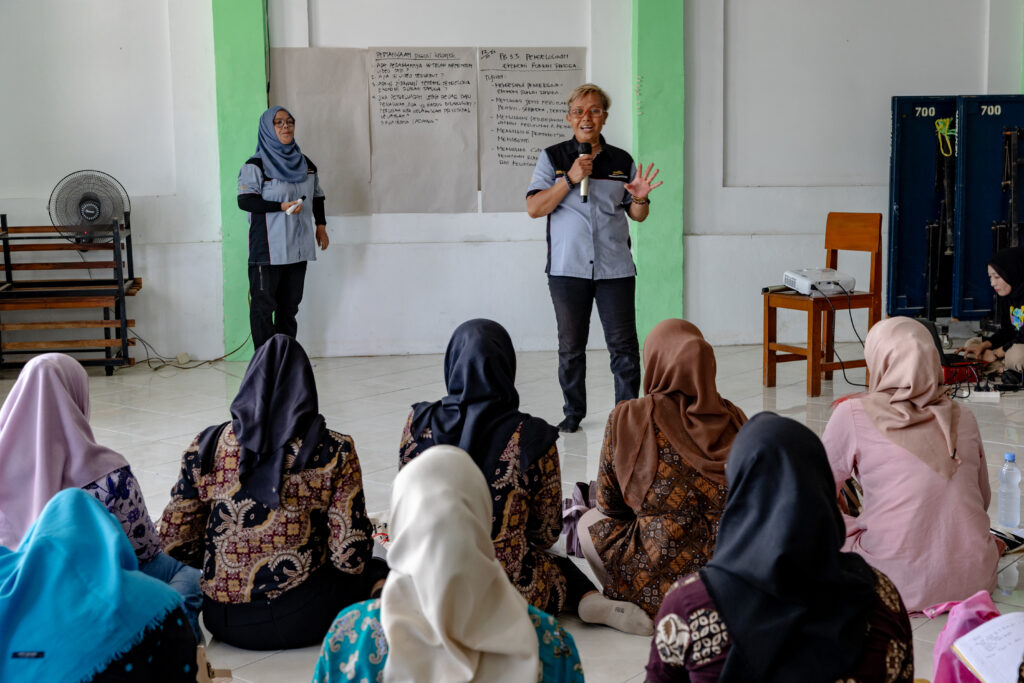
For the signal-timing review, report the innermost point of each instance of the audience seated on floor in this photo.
(661, 478)
(779, 601)
(270, 506)
(47, 445)
(519, 459)
(448, 611)
(75, 608)
(920, 460)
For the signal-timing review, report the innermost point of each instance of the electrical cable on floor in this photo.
(842, 365)
(165, 362)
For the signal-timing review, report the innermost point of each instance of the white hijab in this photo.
(448, 610)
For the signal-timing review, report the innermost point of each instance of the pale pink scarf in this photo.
(906, 399)
(46, 443)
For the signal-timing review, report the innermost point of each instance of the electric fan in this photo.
(84, 203)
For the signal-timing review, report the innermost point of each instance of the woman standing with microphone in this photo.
(272, 187)
(586, 188)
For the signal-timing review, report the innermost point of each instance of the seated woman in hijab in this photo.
(780, 601)
(519, 459)
(457, 617)
(74, 606)
(47, 445)
(661, 479)
(1006, 275)
(270, 506)
(920, 460)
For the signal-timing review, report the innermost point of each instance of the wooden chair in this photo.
(843, 232)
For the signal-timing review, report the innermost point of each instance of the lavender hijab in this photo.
(280, 161)
(46, 443)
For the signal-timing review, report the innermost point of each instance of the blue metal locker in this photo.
(982, 198)
(914, 202)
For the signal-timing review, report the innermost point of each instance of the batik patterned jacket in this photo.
(527, 517)
(249, 551)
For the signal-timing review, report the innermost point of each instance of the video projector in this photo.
(819, 281)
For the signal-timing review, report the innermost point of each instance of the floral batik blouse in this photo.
(527, 517)
(673, 535)
(355, 648)
(120, 493)
(691, 640)
(248, 551)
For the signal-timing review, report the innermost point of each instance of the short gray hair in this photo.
(586, 89)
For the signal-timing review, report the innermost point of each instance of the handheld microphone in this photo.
(584, 148)
(295, 207)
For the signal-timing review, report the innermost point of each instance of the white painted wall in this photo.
(389, 283)
(787, 118)
(400, 283)
(125, 87)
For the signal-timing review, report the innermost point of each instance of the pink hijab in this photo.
(46, 443)
(906, 399)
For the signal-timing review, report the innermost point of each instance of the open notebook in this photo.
(994, 650)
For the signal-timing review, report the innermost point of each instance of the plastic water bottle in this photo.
(1009, 493)
(1008, 579)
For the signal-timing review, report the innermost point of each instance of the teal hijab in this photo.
(71, 597)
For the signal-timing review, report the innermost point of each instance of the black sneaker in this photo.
(570, 425)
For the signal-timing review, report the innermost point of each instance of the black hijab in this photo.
(481, 410)
(795, 606)
(1009, 264)
(276, 403)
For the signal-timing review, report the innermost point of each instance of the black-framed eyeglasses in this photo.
(290, 123)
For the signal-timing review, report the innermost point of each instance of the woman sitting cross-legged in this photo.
(661, 478)
(47, 445)
(920, 460)
(75, 608)
(519, 459)
(447, 612)
(270, 505)
(1005, 348)
(779, 601)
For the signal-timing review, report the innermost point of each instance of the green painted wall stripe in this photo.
(240, 56)
(658, 99)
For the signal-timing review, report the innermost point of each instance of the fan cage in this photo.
(84, 203)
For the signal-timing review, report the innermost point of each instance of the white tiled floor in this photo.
(152, 416)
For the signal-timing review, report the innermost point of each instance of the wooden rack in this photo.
(107, 293)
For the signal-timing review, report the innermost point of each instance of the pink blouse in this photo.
(930, 535)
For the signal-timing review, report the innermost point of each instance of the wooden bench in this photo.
(31, 250)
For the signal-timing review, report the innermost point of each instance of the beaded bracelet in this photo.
(637, 200)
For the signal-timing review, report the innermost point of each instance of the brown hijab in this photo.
(681, 398)
(906, 399)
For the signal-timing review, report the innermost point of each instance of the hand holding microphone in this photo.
(587, 168)
(292, 207)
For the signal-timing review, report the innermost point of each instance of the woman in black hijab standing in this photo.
(1006, 275)
(270, 506)
(518, 456)
(779, 601)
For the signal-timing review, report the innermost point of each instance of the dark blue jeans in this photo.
(183, 579)
(574, 299)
